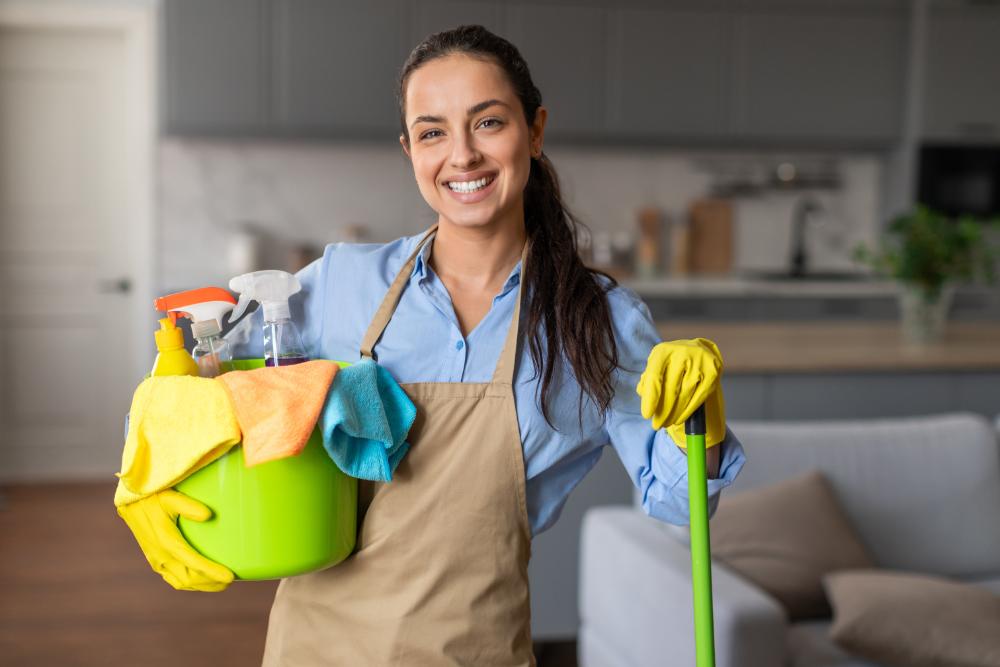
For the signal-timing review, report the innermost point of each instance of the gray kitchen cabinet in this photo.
(668, 73)
(336, 64)
(962, 76)
(565, 47)
(215, 67)
(746, 396)
(859, 395)
(438, 15)
(814, 75)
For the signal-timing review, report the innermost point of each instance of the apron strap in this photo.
(504, 372)
(384, 313)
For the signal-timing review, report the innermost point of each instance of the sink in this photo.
(810, 276)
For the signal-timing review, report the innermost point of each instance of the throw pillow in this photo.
(784, 537)
(912, 620)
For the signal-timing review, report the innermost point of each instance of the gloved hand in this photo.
(680, 375)
(153, 521)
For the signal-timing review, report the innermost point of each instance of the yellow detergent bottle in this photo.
(172, 358)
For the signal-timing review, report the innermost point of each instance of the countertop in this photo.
(803, 347)
(729, 286)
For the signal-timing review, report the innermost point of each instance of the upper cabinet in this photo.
(215, 67)
(762, 72)
(564, 46)
(962, 80)
(820, 74)
(668, 73)
(328, 78)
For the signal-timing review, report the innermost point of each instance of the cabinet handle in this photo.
(115, 286)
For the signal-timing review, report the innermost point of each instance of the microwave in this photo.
(960, 180)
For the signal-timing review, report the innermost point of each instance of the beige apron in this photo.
(440, 574)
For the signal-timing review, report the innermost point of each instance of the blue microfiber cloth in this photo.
(365, 421)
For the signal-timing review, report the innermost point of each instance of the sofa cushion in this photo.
(809, 645)
(902, 482)
(785, 537)
(914, 620)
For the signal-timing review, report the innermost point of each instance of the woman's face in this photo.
(466, 124)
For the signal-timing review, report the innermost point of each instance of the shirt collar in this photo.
(420, 266)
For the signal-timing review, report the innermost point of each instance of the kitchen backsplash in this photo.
(300, 196)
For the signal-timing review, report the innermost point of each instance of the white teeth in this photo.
(470, 186)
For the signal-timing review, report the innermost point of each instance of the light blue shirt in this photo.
(423, 343)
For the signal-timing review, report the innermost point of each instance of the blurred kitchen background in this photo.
(727, 157)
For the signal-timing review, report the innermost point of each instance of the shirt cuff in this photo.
(667, 497)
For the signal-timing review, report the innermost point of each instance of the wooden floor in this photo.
(76, 591)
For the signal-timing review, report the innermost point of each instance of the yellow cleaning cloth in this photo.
(277, 407)
(177, 425)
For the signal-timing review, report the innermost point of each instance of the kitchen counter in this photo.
(728, 286)
(824, 347)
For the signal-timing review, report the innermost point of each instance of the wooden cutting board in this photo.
(711, 236)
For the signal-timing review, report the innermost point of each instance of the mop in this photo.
(701, 558)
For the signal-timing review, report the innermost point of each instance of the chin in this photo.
(469, 221)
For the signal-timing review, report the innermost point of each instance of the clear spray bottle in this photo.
(272, 289)
(211, 353)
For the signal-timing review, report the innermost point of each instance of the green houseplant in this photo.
(928, 253)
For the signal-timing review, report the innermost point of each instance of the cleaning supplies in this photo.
(171, 357)
(211, 352)
(272, 289)
(277, 408)
(701, 550)
(365, 421)
(278, 519)
(205, 307)
(177, 425)
(153, 522)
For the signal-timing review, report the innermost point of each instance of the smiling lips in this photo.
(471, 181)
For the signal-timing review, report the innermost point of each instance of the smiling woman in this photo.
(473, 125)
(440, 574)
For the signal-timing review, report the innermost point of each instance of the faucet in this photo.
(800, 218)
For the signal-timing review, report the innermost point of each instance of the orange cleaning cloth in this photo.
(277, 408)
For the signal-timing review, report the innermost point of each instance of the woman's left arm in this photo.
(656, 465)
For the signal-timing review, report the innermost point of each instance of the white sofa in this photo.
(923, 493)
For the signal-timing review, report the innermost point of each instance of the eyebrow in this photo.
(474, 109)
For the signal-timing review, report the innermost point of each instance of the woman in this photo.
(504, 431)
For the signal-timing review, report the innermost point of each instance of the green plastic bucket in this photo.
(276, 519)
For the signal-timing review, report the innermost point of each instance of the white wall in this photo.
(308, 192)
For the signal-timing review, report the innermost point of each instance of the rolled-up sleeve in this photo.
(657, 467)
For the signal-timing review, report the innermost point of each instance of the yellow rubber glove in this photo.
(153, 521)
(680, 375)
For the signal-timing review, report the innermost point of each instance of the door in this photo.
(67, 353)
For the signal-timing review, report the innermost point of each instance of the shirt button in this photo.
(459, 345)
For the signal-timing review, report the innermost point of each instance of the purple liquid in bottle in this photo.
(284, 361)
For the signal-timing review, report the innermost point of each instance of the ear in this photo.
(406, 149)
(538, 131)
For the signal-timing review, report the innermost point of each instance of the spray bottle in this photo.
(272, 289)
(205, 307)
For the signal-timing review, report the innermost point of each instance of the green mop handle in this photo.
(701, 557)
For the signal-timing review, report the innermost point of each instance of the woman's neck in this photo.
(477, 258)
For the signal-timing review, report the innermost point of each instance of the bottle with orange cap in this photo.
(205, 307)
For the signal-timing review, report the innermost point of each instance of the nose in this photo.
(464, 153)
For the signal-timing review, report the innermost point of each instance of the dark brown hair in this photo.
(565, 300)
